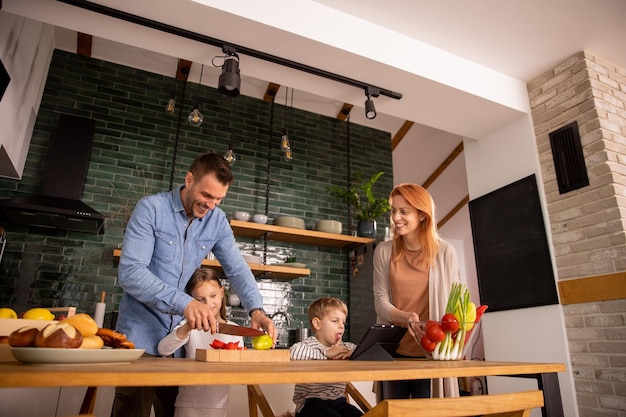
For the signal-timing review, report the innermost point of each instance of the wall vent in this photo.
(569, 161)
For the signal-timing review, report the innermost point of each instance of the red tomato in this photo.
(430, 323)
(449, 323)
(428, 344)
(435, 333)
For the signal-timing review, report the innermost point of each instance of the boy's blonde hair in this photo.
(320, 307)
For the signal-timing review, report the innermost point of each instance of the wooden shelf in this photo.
(282, 234)
(293, 235)
(259, 270)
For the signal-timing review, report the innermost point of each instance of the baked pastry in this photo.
(59, 335)
(84, 323)
(92, 342)
(115, 339)
(23, 337)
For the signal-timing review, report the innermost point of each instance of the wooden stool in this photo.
(516, 404)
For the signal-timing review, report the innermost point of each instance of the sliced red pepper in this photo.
(218, 344)
(232, 346)
(480, 310)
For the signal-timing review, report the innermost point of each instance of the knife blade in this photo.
(238, 330)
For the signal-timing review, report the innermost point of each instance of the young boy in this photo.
(327, 317)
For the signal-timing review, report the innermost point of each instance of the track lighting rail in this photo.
(128, 17)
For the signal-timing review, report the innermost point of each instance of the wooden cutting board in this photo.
(249, 355)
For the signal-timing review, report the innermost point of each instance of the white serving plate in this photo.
(69, 356)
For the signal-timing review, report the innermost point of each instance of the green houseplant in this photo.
(364, 207)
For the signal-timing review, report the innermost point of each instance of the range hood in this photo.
(59, 205)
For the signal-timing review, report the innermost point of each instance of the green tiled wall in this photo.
(132, 155)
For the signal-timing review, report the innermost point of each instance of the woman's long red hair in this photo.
(428, 237)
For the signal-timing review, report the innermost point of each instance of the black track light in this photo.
(230, 81)
(370, 110)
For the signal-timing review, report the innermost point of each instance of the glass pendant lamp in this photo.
(230, 156)
(195, 118)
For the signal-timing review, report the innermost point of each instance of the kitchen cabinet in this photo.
(282, 234)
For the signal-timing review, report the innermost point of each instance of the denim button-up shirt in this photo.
(161, 251)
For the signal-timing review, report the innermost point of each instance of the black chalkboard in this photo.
(511, 248)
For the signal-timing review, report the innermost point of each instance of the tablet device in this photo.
(379, 343)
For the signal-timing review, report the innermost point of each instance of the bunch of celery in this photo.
(459, 304)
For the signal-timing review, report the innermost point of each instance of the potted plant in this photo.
(364, 207)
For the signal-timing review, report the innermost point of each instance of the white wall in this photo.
(26, 48)
(529, 334)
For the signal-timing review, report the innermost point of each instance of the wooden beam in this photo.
(83, 46)
(456, 208)
(401, 133)
(183, 69)
(345, 111)
(593, 289)
(270, 92)
(456, 152)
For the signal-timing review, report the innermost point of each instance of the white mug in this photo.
(233, 300)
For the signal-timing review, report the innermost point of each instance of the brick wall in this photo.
(588, 225)
(132, 156)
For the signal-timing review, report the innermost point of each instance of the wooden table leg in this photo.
(253, 411)
(257, 398)
(553, 404)
(549, 384)
(89, 401)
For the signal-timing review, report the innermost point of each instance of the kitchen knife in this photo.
(238, 330)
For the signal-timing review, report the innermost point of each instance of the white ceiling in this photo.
(461, 66)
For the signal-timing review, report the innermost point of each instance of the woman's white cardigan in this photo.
(443, 272)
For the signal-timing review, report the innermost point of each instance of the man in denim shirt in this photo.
(167, 237)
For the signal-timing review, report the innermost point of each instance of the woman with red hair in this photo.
(413, 273)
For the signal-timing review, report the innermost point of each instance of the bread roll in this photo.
(23, 337)
(84, 323)
(59, 335)
(92, 342)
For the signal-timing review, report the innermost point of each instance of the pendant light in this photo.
(195, 118)
(171, 104)
(230, 156)
(286, 146)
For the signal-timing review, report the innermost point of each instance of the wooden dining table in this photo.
(172, 372)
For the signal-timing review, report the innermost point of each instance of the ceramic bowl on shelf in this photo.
(259, 218)
(328, 226)
(289, 221)
(243, 216)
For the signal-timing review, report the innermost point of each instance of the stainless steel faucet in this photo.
(282, 313)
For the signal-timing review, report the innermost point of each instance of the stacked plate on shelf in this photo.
(289, 221)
